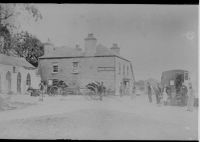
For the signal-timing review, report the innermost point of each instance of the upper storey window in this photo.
(55, 68)
(75, 67)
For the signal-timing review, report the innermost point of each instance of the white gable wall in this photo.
(24, 72)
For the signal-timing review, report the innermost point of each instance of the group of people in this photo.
(124, 89)
(154, 90)
(165, 97)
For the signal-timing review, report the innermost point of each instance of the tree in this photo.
(8, 15)
(10, 12)
(28, 46)
(5, 40)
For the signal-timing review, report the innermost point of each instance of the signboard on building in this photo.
(106, 69)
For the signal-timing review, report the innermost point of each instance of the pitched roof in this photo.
(67, 52)
(63, 51)
(14, 61)
(101, 50)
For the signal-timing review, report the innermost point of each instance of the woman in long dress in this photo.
(165, 96)
(190, 103)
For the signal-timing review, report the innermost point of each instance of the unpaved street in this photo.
(113, 118)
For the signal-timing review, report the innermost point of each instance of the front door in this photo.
(126, 86)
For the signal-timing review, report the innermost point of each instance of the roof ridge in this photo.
(15, 61)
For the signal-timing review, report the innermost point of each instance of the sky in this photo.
(155, 38)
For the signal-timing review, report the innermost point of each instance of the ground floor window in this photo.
(55, 68)
(28, 80)
(19, 82)
(8, 81)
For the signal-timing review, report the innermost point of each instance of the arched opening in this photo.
(28, 80)
(19, 82)
(8, 81)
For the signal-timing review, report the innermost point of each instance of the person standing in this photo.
(121, 89)
(157, 95)
(41, 90)
(190, 103)
(168, 91)
(184, 95)
(165, 96)
(101, 91)
(157, 91)
(149, 92)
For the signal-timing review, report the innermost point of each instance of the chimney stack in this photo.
(48, 48)
(90, 45)
(115, 49)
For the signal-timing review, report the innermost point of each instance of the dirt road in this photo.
(113, 118)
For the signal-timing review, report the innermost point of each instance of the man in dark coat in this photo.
(184, 91)
(157, 91)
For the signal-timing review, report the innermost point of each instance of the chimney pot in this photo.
(115, 48)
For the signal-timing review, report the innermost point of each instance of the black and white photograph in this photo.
(99, 71)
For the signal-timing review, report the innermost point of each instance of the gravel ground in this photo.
(113, 118)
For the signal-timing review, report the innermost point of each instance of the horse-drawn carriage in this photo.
(59, 87)
(55, 87)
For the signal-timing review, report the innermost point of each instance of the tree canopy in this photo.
(20, 43)
(28, 46)
(10, 12)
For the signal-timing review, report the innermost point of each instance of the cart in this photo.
(56, 87)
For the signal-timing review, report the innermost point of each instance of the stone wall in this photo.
(90, 69)
(87, 70)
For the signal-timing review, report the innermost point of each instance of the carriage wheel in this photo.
(49, 89)
(95, 96)
(54, 91)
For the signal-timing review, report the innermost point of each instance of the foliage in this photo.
(97, 88)
(22, 44)
(28, 46)
(5, 40)
(10, 12)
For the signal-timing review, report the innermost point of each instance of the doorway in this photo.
(126, 86)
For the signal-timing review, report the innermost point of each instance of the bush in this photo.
(97, 88)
